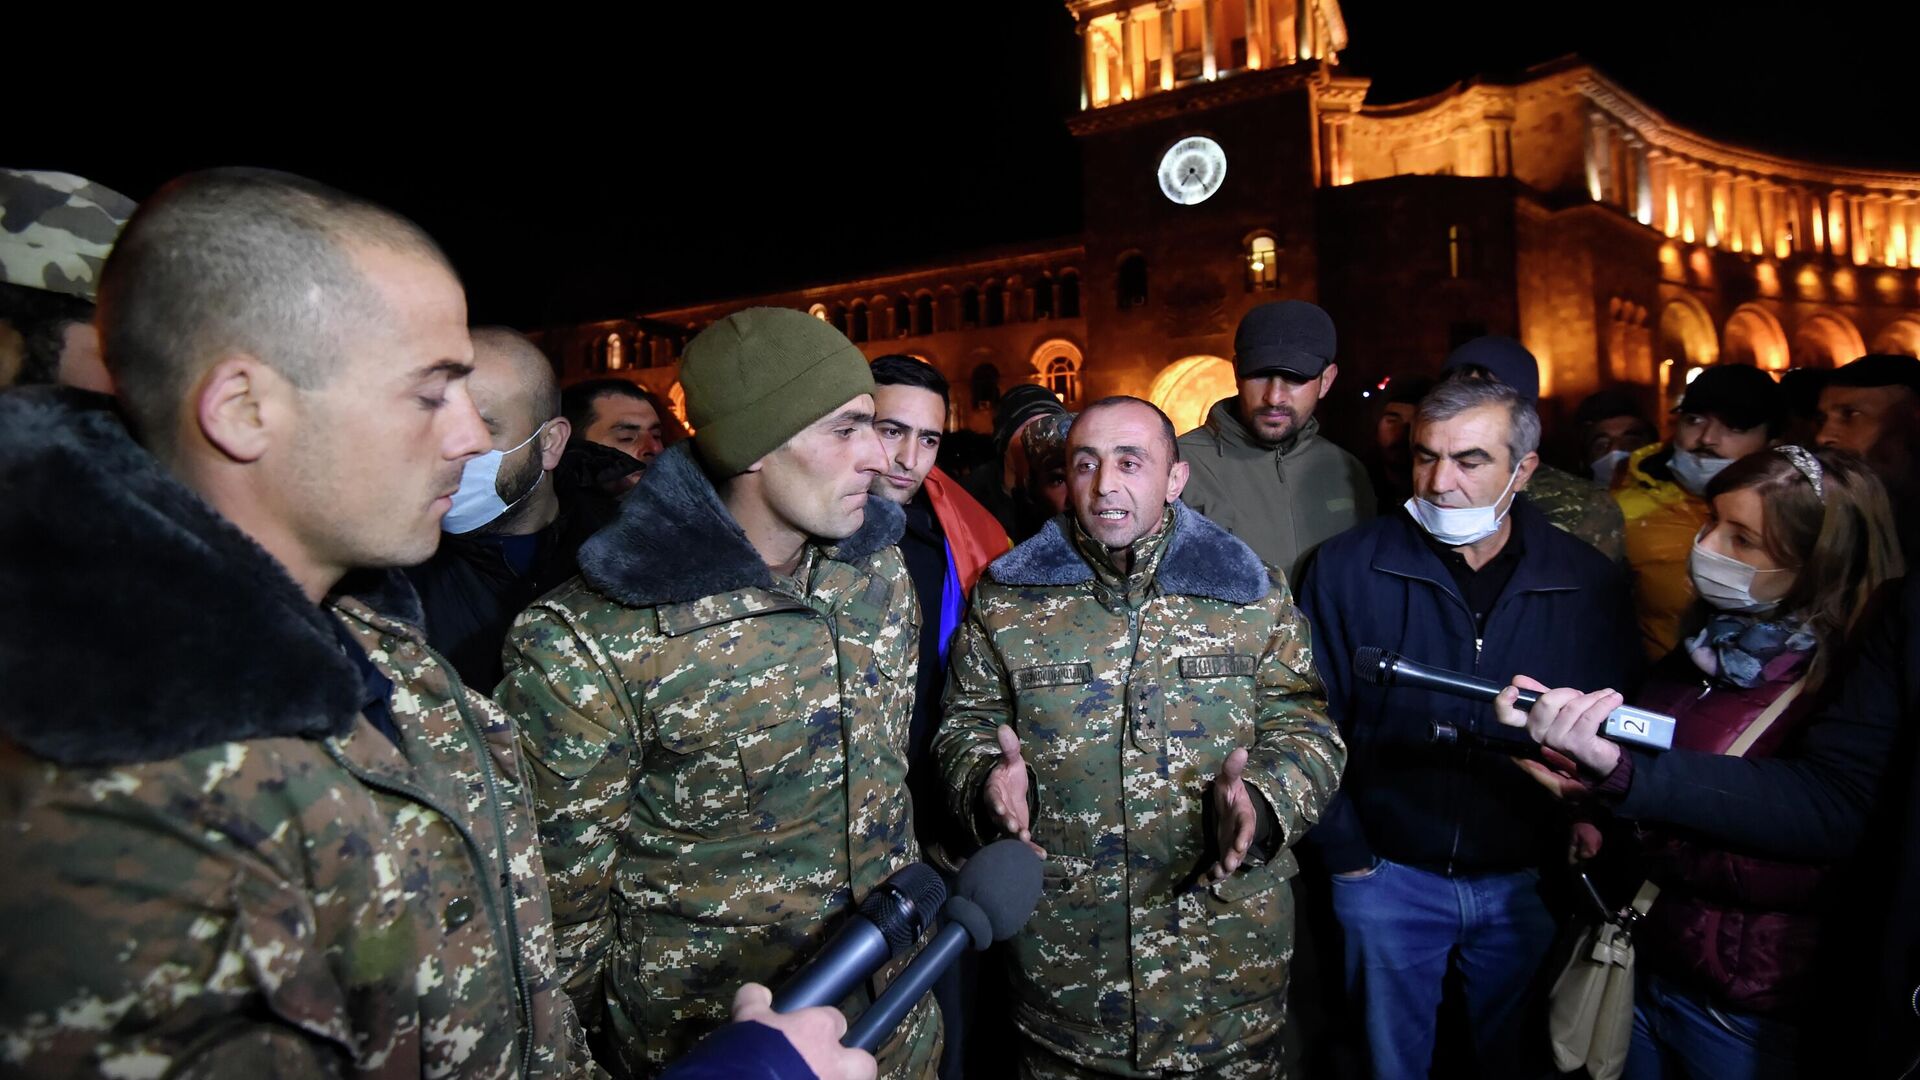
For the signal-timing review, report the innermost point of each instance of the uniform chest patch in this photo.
(1216, 667)
(1051, 675)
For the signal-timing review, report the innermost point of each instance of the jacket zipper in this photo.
(478, 739)
(523, 999)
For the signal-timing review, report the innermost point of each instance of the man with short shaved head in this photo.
(266, 831)
(512, 534)
(1133, 692)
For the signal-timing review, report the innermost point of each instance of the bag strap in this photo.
(1643, 900)
(1765, 720)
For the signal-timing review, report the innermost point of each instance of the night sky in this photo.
(586, 167)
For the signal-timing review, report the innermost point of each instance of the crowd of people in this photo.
(377, 706)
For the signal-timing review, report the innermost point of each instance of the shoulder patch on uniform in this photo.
(1218, 666)
(1051, 675)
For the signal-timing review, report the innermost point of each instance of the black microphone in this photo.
(893, 917)
(996, 894)
(1626, 724)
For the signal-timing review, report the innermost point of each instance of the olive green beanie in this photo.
(758, 377)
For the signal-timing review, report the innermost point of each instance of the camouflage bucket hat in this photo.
(56, 230)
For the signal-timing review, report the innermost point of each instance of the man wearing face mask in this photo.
(1435, 850)
(510, 537)
(1612, 427)
(1727, 413)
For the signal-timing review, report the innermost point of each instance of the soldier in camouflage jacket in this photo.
(719, 750)
(217, 865)
(1130, 677)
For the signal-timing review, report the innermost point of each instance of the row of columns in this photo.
(1699, 202)
(1268, 43)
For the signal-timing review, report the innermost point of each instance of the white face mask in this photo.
(1608, 464)
(1461, 525)
(477, 503)
(1694, 472)
(1726, 583)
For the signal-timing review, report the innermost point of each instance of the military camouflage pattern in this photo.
(56, 230)
(720, 780)
(1128, 694)
(289, 907)
(1581, 507)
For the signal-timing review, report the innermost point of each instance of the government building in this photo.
(1228, 161)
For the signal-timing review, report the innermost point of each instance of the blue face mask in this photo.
(1694, 472)
(478, 503)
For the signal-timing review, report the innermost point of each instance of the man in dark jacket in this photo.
(1436, 850)
(1260, 468)
(1001, 484)
(512, 533)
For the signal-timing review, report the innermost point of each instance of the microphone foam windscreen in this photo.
(969, 916)
(902, 907)
(1003, 879)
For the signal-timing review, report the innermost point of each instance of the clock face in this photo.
(1192, 170)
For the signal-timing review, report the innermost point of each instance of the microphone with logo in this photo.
(1626, 724)
(995, 896)
(891, 919)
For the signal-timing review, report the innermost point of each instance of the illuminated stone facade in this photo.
(1556, 208)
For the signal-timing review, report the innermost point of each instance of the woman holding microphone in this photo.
(1796, 545)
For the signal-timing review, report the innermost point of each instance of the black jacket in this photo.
(1562, 618)
(471, 595)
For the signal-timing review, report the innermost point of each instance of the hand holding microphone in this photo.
(1565, 720)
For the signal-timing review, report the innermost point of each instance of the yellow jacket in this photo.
(1662, 521)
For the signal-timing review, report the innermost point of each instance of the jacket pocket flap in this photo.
(565, 742)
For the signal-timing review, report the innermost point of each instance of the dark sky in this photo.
(583, 167)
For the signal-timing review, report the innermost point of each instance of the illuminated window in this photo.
(1262, 274)
(616, 353)
(1459, 251)
(1130, 288)
(1063, 378)
(818, 311)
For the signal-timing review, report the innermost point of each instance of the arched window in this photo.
(1262, 274)
(969, 307)
(837, 317)
(857, 325)
(902, 316)
(616, 352)
(1130, 286)
(818, 311)
(996, 304)
(1070, 295)
(1057, 363)
(985, 384)
(923, 313)
(1043, 297)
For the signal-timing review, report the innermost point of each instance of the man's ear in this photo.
(553, 442)
(1326, 378)
(1177, 480)
(240, 405)
(1525, 473)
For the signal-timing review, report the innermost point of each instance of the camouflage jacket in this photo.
(221, 867)
(719, 758)
(1580, 507)
(1127, 697)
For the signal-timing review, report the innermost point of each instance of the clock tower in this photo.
(1201, 135)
